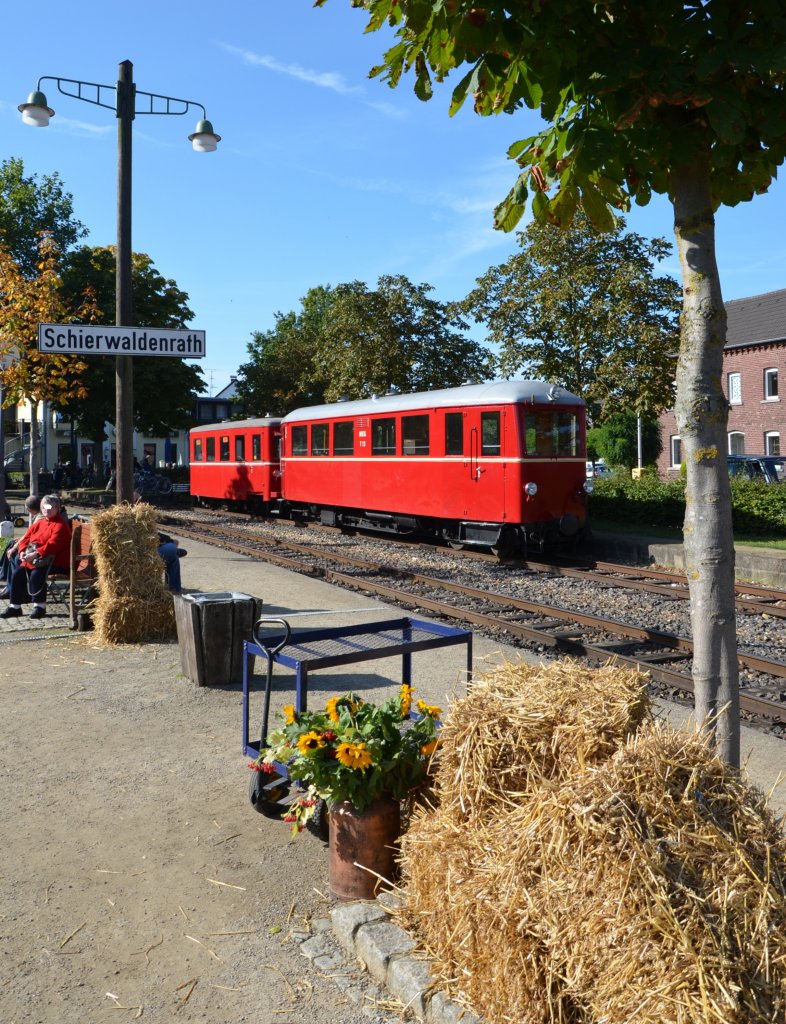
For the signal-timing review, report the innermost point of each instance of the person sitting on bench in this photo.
(45, 544)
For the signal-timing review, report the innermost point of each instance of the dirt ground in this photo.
(137, 881)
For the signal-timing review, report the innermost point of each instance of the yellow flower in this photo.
(428, 748)
(332, 709)
(289, 713)
(310, 743)
(429, 709)
(406, 699)
(353, 755)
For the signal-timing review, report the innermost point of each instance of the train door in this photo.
(487, 469)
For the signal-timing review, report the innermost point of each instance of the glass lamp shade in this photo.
(35, 111)
(204, 139)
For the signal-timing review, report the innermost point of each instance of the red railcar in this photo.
(237, 463)
(499, 465)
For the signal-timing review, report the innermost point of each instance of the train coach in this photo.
(237, 463)
(499, 465)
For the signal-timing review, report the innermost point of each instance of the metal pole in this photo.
(124, 379)
(639, 441)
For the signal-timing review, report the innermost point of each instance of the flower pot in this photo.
(362, 848)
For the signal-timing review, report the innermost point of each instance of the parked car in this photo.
(769, 469)
(598, 468)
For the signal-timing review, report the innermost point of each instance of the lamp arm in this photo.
(167, 101)
(151, 98)
(78, 94)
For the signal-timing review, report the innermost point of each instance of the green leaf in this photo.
(508, 213)
(467, 84)
(596, 207)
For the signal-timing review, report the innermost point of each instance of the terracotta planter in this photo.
(362, 848)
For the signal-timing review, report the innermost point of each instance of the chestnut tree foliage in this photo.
(584, 309)
(635, 97)
(355, 341)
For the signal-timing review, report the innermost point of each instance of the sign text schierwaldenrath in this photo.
(92, 340)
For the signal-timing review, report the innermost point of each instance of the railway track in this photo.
(545, 627)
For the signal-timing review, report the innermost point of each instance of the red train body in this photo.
(499, 465)
(237, 462)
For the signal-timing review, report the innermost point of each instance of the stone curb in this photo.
(363, 928)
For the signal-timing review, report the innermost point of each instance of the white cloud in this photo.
(322, 79)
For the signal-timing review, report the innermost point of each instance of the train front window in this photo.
(223, 453)
(300, 440)
(240, 448)
(454, 433)
(256, 447)
(490, 433)
(344, 438)
(197, 449)
(414, 432)
(552, 434)
(319, 439)
(211, 449)
(383, 437)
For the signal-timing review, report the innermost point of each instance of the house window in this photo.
(772, 443)
(736, 443)
(676, 451)
(770, 383)
(735, 388)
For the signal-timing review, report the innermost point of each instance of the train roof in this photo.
(500, 392)
(261, 421)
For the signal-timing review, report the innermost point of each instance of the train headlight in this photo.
(589, 486)
(531, 489)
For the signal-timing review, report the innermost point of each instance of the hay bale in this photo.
(630, 879)
(522, 724)
(133, 604)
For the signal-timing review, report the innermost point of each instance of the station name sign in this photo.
(92, 340)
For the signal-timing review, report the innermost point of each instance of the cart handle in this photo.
(271, 645)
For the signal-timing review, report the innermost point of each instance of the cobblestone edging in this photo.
(362, 931)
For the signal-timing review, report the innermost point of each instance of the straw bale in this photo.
(649, 887)
(522, 724)
(133, 604)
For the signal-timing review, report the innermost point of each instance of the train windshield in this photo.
(552, 433)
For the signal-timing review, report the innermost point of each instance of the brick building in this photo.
(754, 365)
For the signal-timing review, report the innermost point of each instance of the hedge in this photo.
(758, 509)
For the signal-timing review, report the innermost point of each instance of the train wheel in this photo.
(507, 545)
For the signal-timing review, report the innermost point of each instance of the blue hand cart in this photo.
(327, 648)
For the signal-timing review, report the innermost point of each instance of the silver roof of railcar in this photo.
(262, 421)
(500, 392)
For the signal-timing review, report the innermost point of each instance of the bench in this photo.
(79, 581)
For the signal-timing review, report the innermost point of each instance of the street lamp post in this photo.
(126, 105)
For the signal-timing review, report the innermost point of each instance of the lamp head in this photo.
(36, 111)
(204, 139)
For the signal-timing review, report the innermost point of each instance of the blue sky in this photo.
(322, 175)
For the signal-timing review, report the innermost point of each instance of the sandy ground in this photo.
(136, 880)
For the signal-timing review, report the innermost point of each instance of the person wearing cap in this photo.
(46, 543)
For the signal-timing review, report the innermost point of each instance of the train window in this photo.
(256, 447)
(240, 448)
(300, 440)
(344, 438)
(197, 449)
(223, 454)
(211, 449)
(319, 439)
(489, 432)
(415, 434)
(454, 433)
(552, 434)
(383, 437)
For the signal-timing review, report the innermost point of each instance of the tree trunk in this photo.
(702, 414)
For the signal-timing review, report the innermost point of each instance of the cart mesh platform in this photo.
(347, 645)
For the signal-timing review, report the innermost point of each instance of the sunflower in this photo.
(289, 713)
(353, 755)
(310, 743)
(428, 748)
(429, 709)
(406, 699)
(332, 709)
